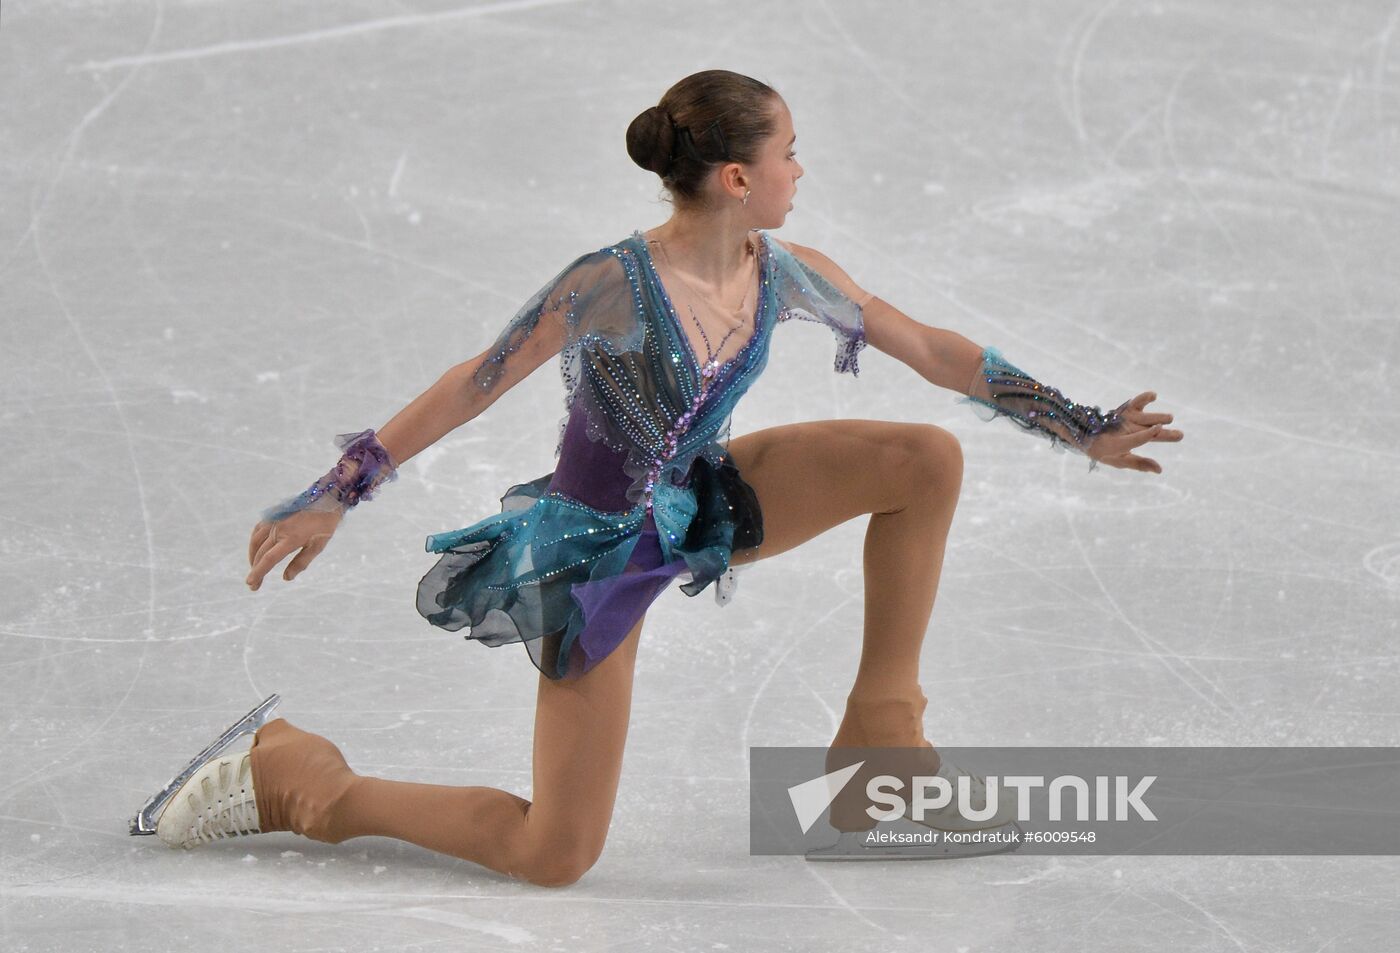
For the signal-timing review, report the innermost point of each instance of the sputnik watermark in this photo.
(811, 798)
(1236, 801)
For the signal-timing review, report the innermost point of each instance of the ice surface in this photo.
(230, 231)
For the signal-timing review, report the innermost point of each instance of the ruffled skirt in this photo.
(570, 580)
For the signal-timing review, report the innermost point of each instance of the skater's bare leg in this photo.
(303, 784)
(812, 476)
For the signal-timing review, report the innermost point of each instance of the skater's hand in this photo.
(1137, 428)
(308, 531)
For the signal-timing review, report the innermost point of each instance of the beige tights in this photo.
(808, 478)
(303, 784)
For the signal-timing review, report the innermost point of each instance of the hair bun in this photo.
(650, 139)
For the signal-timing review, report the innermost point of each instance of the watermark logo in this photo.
(810, 799)
(1113, 797)
(1201, 801)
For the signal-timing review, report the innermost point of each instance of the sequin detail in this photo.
(1005, 390)
(363, 467)
(634, 387)
(809, 296)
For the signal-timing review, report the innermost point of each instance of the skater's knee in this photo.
(562, 862)
(556, 875)
(933, 450)
(929, 459)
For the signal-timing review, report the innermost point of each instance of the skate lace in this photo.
(233, 814)
(231, 820)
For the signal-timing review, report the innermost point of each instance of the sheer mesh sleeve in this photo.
(1001, 389)
(811, 287)
(579, 299)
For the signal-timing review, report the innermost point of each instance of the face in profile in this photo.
(774, 175)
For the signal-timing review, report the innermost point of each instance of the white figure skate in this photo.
(949, 818)
(213, 796)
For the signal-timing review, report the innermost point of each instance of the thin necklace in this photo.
(711, 362)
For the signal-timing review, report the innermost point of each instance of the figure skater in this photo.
(658, 336)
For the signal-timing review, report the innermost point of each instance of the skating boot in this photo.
(212, 797)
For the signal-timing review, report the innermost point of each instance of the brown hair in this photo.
(708, 118)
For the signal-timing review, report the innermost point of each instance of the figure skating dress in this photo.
(643, 490)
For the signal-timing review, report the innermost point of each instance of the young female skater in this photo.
(659, 335)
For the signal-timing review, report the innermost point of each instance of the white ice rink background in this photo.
(232, 230)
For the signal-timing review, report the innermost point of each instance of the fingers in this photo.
(1153, 427)
(1131, 461)
(1138, 416)
(1145, 464)
(1143, 436)
(266, 560)
(1155, 432)
(273, 542)
(1146, 419)
(1160, 432)
(272, 539)
(303, 559)
(260, 533)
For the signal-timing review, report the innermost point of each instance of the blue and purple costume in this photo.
(643, 490)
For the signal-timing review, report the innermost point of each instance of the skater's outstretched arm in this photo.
(558, 313)
(947, 359)
(308, 521)
(555, 315)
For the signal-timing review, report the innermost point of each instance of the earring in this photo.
(746, 196)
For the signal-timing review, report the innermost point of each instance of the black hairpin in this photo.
(684, 141)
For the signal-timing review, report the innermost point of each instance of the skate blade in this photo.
(145, 820)
(852, 845)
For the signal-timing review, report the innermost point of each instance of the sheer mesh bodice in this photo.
(643, 490)
(711, 330)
